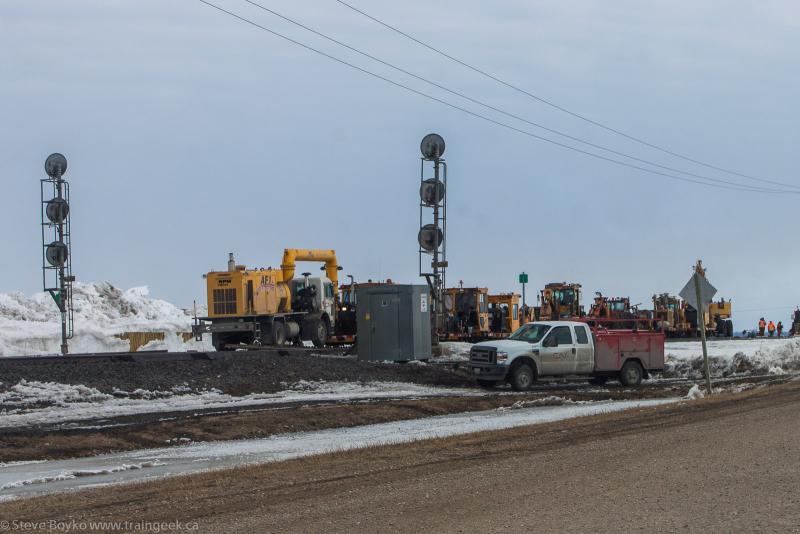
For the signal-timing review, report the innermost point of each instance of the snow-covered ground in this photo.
(25, 479)
(45, 403)
(32, 325)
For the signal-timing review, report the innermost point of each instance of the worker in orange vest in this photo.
(762, 324)
(771, 328)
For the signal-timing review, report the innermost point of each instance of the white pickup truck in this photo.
(567, 348)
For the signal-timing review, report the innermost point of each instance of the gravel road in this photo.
(724, 464)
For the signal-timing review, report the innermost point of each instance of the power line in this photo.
(478, 115)
(558, 107)
(498, 110)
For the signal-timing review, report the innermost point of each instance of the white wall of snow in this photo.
(32, 325)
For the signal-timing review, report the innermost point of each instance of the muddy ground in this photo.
(722, 464)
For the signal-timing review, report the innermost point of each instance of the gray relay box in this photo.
(394, 322)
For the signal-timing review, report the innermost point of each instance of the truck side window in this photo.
(563, 335)
(580, 335)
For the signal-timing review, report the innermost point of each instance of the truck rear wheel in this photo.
(631, 374)
(278, 334)
(315, 331)
(522, 377)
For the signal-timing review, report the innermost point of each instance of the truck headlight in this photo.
(501, 356)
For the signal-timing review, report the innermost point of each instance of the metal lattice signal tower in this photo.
(432, 237)
(57, 275)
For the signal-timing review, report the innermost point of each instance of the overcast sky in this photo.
(190, 134)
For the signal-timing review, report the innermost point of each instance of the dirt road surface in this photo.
(724, 464)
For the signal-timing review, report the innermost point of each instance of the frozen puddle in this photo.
(26, 479)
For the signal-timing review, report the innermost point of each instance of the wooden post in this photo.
(701, 322)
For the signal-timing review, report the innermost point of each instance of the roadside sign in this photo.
(523, 278)
(689, 293)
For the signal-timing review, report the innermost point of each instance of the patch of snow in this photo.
(72, 474)
(41, 403)
(695, 393)
(551, 400)
(455, 351)
(196, 457)
(32, 325)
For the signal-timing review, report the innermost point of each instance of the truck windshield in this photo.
(531, 333)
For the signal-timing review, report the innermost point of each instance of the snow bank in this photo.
(733, 357)
(45, 403)
(32, 325)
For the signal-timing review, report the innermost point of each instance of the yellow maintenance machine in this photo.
(466, 313)
(560, 301)
(677, 319)
(271, 306)
(505, 315)
(613, 312)
(669, 314)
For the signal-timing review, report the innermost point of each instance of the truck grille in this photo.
(483, 354)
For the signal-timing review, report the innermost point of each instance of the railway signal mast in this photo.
(57, 275)
(432, 237)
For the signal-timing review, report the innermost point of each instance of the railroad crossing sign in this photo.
(689, 291)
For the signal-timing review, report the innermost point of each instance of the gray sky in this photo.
(190, 134)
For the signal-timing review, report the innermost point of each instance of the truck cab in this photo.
(319, 299)
(566, 348)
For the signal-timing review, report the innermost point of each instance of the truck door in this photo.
(584, 363)
(558, 352)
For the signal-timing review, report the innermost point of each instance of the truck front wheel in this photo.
(522, 377)
(631, 374)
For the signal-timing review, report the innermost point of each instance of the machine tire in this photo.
(729, 328)
(219, 342)
(488, 384)
(598, 380)
(631, 374)
(278, 334)
(522, 377)
(314, 330)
